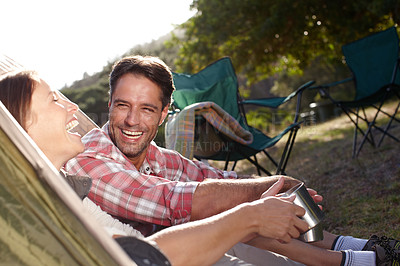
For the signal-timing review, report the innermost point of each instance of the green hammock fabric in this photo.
(38, 219)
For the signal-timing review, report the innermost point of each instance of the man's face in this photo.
(135, 114)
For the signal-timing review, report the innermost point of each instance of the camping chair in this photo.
(374, 62)
(217, 83)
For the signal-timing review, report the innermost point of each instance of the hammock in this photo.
(42, 220)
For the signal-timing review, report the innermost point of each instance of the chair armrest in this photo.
(333, 84)
(304, 86)
(272, 102)
(275, 102)
(299, 93)
(323, 92)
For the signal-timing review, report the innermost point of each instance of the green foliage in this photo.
(259, 119)
(285, 83)
(269, 36)
(269, 121)
(91, 94)
(161, 48)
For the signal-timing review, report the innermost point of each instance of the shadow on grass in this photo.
(361, 195)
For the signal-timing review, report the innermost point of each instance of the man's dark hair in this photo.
(150, 67)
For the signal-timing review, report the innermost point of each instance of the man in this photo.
(134, 179)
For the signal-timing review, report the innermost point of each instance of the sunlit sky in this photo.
(64, 39)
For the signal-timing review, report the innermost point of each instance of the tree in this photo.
(268, 36)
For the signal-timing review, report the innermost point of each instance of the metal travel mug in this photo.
(313, 215)
(312, 235)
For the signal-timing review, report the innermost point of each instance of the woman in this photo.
(48, 118)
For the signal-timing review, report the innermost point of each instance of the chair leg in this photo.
(289, 151)
(389, 115)
(355, 135)
(368, 132)
(392, 117)
(279, 169)
(256, 164)
(259, 166)
(366, 135)
(228, 155)
(234, 165)
(371, 140)
(258, 169)
(270, 158)
(357, 127)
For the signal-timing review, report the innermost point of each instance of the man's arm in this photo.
(126, 193)
(204, 242)
(215, 196)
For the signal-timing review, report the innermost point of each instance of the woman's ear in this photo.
(29, 119)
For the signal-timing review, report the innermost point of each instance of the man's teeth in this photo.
(71, 125)
(132, 134)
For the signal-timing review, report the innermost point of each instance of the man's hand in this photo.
(278, 217)
(317, 198)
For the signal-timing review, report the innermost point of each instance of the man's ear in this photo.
(109, 103)
(164, 114)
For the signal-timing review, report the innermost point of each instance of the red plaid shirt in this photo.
(160, 192)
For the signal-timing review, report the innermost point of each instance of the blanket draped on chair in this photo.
(180, 129)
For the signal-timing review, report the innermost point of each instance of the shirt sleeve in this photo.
(126, 193)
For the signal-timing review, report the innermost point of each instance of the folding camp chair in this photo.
(217, 83)
(374, 62)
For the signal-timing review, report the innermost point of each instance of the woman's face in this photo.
(48, 123)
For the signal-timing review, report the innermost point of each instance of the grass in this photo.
(361, 195)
